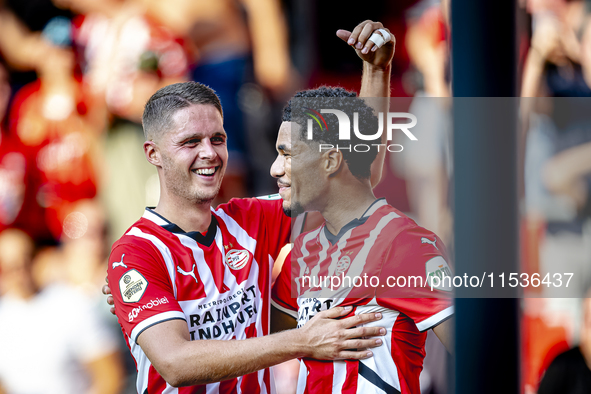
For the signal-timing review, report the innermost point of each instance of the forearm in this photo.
(375, 84)
(375, 81)
(237, 358)
(187, 362)
(182, 362)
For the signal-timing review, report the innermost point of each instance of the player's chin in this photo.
(286, 207)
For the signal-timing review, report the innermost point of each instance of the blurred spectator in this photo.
(52, 330)
(553, 64)
(50, 120)
(19, 177)
(557, 177)
(570, 372)
(124, 57)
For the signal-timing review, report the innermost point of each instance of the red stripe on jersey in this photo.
(350, 385)
(320, 374)
(217, 265)
(229, 386)
(156, 383)
(251, 331)
(267, 379)
(250, 383)
(408, 352)
(193, 389)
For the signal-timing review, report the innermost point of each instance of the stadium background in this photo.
(74, 75)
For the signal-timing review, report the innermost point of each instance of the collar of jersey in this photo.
(380, 202)
(160, 220)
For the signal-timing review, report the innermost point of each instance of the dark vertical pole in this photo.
(484, 59)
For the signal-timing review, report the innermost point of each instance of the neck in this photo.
(189, 216)
(339, 211)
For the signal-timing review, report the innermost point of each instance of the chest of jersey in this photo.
(218, 287)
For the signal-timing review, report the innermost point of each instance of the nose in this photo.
(278, 167)
(206, 150)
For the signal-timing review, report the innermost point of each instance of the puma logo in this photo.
(188, 273)
(428, 241)
(119, 263)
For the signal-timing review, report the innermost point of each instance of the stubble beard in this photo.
(189, 192)
(293, 210)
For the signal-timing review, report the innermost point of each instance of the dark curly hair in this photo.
(326, 97)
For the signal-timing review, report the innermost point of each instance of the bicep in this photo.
(163, 343)
(281, 321)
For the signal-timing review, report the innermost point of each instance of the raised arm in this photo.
(375, 81)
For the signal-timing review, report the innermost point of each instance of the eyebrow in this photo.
(283, 147)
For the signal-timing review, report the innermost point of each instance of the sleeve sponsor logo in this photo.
(437, 267)
(149, 305)
(237, 259)
(132, 285)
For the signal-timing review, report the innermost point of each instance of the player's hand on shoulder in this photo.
(107, 291)
(373, 43)
(328, 338)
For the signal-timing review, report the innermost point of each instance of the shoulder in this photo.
(237, 204)
(143, 238)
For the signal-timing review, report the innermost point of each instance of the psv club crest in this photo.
(237, 259)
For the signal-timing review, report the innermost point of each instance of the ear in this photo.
(152, 153)
(333, 161)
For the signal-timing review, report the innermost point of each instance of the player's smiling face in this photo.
(299, 188)
(281, 168)
(194, 153)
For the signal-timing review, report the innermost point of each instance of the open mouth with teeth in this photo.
(205, 171)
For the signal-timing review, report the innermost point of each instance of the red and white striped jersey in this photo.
(218, 282)
(382, 243)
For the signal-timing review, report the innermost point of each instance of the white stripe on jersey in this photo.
(377, 205)
(364, 386)
(151, 216)
(311, 235)
(143, 366)
(164, 251)
(435, 319)
(237, 232)
(155, 319)
(382, 362)
(339, 376)
(302, 378)
(321, 255)
(358, 264)
(213, 388)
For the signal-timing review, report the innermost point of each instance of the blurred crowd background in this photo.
(75, 74)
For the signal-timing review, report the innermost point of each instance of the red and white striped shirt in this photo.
(219, 283)
(382, 243)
